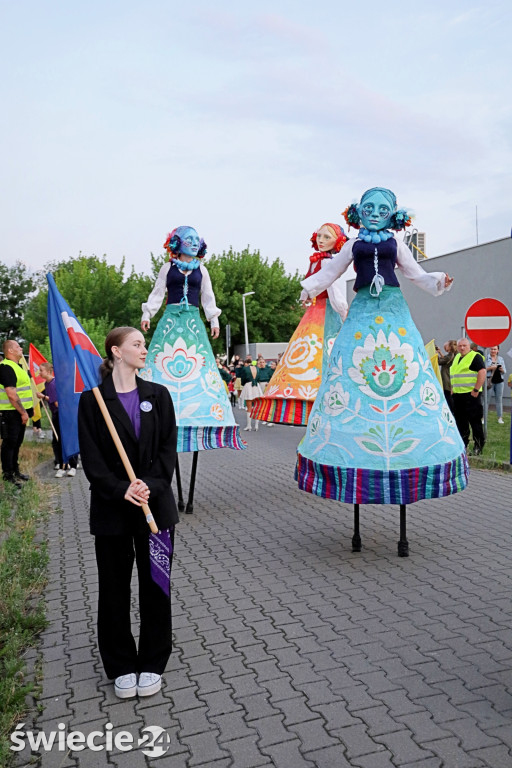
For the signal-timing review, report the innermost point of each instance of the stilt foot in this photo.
(356, 544)
(189, 510)
(403, 549)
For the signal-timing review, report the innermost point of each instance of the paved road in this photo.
(290, 650)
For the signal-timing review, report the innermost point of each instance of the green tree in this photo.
(273, 312)
(95, 291)
(16, 286)
(102, 297)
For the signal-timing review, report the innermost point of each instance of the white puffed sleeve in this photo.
(211, 310)
(330, 271)
(432, 282)
(336, 293)
(154, 302)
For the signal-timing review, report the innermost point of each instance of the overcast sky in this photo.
(253, 122)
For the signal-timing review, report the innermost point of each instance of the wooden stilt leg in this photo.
(181, 505)
(356, 538)
(190, 502)
(403, 544)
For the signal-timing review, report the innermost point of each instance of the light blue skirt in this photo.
(380, 430)
(180, 357)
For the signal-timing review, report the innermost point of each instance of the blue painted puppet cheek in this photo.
(190, 243)
(375, 212)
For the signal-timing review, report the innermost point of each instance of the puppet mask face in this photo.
(375, 212)
(190, 243)
(325, 239)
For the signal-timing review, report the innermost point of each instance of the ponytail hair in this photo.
(115, 338)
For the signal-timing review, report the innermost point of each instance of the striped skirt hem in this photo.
(281, 411)
(373, 486)
(206, 438)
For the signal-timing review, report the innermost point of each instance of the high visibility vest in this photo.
(23, 388)
(461, 377)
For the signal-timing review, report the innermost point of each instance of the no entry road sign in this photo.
(487, 322)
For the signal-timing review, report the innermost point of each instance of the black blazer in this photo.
(153, 458)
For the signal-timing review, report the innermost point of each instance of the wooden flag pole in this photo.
(50, 419)
(122, 453)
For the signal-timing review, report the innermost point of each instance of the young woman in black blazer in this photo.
(143, 415)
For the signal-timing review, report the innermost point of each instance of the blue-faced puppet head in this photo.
(377, 211)
(185, 240)
(376, 208)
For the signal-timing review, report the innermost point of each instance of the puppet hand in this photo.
(448, 281)
(145, 325)
(215, 333)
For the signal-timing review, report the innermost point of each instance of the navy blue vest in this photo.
(176, 285)
(363, 254)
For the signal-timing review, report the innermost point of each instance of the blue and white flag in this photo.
(75, 361)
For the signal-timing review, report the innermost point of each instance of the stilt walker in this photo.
(380, 431)
(180, 355)
(291, 391)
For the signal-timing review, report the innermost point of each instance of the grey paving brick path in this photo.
(290, 650)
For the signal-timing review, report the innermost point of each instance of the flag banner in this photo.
(35, 400)
(434, 359)
(160, 557)
(35, 358)
(75, 362)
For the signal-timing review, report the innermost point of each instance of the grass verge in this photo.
(23, 575)
(496, 454)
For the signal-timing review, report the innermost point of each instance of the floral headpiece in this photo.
(341, 237)
(173, 242)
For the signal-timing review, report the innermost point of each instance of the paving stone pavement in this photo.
(290, 650)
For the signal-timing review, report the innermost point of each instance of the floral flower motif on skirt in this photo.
(179, 362)
(380, 405)
(180, 357)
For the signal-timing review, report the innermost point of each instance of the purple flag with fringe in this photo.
(160, 556)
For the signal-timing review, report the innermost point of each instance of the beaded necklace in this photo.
(374, 237)
(185, 266)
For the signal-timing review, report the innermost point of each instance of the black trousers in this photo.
(115, 556)
(13, 432)
(468, 412)
(57, 445)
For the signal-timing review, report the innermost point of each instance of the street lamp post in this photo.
(245, 322)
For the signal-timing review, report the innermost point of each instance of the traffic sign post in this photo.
(487, 323)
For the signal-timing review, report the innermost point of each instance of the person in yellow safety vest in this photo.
(467, 376)
(16, 406)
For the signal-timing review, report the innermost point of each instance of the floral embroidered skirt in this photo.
(291, 391)
(380, 430)
(181, 358)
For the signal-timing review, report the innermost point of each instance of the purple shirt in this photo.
(50, 390)
(131, 403)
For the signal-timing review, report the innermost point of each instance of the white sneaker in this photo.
(247, 429)
(269, 424)
(56, 466)
(60, 473)
(500, 421)
(125, 686)
(71, 472)
(41, 435)
(149, 683)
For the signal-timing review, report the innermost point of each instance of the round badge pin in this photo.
(145, 406)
